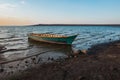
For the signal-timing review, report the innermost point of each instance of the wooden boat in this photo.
(52, 38)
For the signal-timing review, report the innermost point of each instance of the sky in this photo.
(25, 12)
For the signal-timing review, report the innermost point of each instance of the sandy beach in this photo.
(102, 64)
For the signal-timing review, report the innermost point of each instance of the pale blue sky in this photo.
(63, 11)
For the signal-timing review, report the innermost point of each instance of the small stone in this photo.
(1, 70)
(33, 59)
(75, 56)
(100, 77)
(76, 52)
(26, 61)
(26, 65)
(2, 48)
(70, 56)
(52, 59)
(17, 64)
(48, 58)
(81, 78)
(110, 39)
(84, 51)
(115, 69)
(12, 72)
(10, 66)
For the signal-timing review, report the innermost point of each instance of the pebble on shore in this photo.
(2, 48)
(77, 52)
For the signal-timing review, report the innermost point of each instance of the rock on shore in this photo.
(2, 48)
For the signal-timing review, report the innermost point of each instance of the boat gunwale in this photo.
(54, 35)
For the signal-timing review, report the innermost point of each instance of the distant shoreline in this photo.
(76, 25)
(65, 25)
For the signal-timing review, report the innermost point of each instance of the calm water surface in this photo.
(16, 42)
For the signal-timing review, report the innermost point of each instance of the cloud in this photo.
(11, 6)
(7, 6)
(22, 2)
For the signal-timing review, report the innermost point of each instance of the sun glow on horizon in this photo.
(8, 21)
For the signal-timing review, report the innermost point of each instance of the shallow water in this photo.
(16, 42)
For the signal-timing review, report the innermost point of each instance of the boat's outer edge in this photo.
(30, 37)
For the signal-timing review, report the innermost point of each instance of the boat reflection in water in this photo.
(52, 51)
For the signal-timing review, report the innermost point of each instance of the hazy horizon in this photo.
(27, 12)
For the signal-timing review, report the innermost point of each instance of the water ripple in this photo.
(16, 42)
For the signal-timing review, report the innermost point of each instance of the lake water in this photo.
(16, 41)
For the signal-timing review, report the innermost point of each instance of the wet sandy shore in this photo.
(103, 63)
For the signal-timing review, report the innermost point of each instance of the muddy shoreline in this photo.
(103, 64)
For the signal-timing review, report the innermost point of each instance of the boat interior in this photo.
(47, 35)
